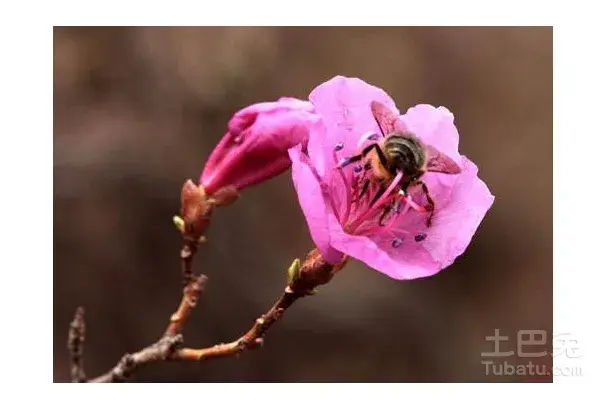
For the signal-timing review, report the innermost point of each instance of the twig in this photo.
(76, 344)
(303, 280)
(164, 348)
(188, 251)
(252, 339)
(190, 297)
(159, 351)
(196, 213)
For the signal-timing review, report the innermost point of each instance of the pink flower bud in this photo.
(255, 148)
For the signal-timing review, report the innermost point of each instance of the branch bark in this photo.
(165, 347)
(76, 346)
(252, 339)
(303, 281)
(196, 213)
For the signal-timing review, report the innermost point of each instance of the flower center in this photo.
(368, 203)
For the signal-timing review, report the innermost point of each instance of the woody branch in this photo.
(195, 217)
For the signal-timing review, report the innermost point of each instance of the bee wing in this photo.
(439, 162)
(387, 120)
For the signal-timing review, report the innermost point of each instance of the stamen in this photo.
(343, 163)
(396, 242)
(398, 205)
(346, 185)
(338, 146)
(389, 190)
(379, 202)
(414, 205)
(358, 168)
(397, 208)
(368, 136)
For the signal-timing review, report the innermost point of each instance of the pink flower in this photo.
(255, 148)
(378, 223)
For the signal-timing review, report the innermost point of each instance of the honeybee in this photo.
(400, 150)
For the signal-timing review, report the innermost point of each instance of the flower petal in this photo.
(435, 126)
(345, 106)
(255, 147)
(455, 224)
(313, 203)
(395, 251)
(408, 260)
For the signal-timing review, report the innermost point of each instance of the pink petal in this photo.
(452, 230)
(218, 153)
(454, 226)
(344, 104)
(313, 203)
(408, 261)
(256, 146)
(435, 126)
(246, 116)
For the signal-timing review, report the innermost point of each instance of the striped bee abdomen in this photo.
(404, 153)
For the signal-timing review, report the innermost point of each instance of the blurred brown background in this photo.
(137, 111)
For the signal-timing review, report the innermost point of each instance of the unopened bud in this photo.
(195, 212)
(255, 147)
(313, 272)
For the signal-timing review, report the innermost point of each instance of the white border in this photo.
(580, 151)
(580, 195)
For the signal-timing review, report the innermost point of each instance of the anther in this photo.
(397, 242)
(357, 168)
(344, 162)
(338, 146)
(420, 237)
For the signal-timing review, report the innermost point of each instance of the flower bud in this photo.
(255, 148)
(313, 272)
(195, 211)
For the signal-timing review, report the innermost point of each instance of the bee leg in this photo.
(430, 207)
(394, 207)
(364, 188)
(345, 162)
(382, 159)
(350, 160)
